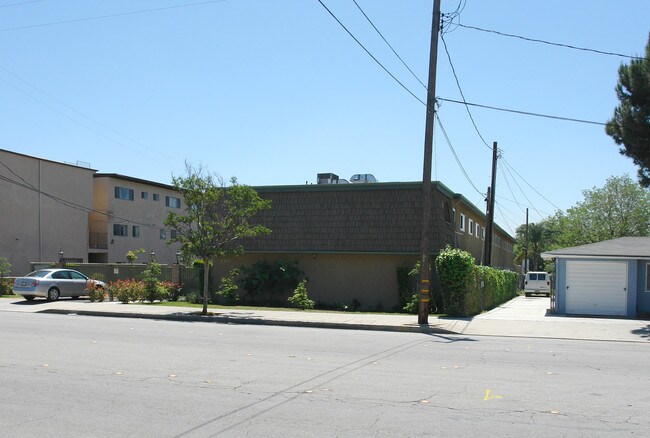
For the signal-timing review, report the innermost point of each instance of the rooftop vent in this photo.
(361, 178)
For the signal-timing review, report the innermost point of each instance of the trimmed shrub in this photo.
(455, 268)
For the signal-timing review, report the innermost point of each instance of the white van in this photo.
(537, 283)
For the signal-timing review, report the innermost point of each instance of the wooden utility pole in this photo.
(487, 250)
(526, 247)
(427, 225)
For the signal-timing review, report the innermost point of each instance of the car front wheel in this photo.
(53, 294)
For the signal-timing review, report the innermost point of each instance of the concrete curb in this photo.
(252, 321)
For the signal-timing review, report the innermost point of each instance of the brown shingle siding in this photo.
(337, 220)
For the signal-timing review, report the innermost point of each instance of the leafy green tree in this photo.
(630, 125)
(621, 208)
(540, 239)
(215, 217)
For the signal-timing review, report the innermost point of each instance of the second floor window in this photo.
(135, 231)
(163, 234)
(144, 195)
(120, 230)
(462, 222)
(124, 193)
(172, 202)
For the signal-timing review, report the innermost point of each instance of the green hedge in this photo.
(468, 289)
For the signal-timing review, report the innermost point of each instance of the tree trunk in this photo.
(206, 286)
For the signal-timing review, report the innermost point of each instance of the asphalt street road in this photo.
(77, 376)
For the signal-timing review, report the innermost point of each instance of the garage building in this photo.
(610, 278)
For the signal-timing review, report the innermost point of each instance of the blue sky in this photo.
(274, 92)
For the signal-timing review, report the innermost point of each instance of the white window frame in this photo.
(478, 230)
(462, 222)
(483, 232)
(470, 228)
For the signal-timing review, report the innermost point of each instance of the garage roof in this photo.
(623, 247)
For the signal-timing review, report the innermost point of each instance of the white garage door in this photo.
(596, 288)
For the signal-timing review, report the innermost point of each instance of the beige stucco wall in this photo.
(145, 213)
(339, 278)
(34, 226)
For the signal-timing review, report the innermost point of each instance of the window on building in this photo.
(163, 234)
(173, 234)
(172, 202)
(124, 193)
(483, 233)
(144, 195)
(478, 231)
(462, 222)
(156, 197)
(647, 277)
(120, 230)
(135, 231)
(470, 229)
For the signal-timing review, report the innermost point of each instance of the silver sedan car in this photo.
(54, 283)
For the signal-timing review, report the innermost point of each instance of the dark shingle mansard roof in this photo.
(353, 218)
(627, 247)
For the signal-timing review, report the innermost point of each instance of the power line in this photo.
(510, 189)
(387, 43)
(526, 113)
(524, 193)
(171, 159)
(550, 43)
(77, 121)
(370, 54)
(536, 191)
(21, 3)
(101, 17)
(27, 185)
(453, 70)
(453, 151)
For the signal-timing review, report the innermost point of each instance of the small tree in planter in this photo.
(300, 299)
(132, 256)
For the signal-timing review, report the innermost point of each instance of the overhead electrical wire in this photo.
(21, 3)
(389, 45)
(59, 101)
(101, 17)
(27, 185)
(529, 185)
(101, 134)
(453, 151)
(510, 188)
(550, 43)
(418, 99)
(370, 54)
(526, 113)
(453, 70)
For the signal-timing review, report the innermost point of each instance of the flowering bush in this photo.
(95, 292)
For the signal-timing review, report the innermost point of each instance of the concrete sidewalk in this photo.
(522, 317)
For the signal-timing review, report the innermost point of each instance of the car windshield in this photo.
(39, 274)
